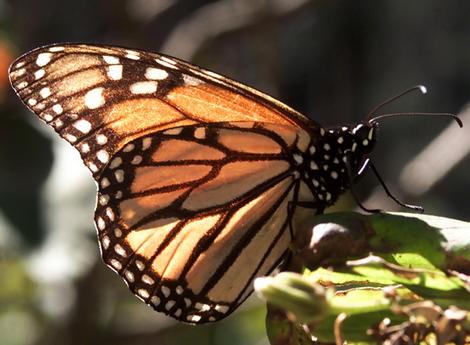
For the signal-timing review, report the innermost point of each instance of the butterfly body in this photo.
(196, 173)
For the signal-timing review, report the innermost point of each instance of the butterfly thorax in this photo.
(323, 167)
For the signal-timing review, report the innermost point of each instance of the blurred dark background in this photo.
(332, 60)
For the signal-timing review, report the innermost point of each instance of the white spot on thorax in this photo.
(153, 73)
(313, 165)
(312, 150)
(365, 142)
(143, 87)
(370, 134)
(355, 129)
(43, 59)
(354, 146)
(334, 175)
(94, 98)
(340, 140)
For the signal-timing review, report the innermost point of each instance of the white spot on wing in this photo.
(115, 163)
(48, 117)
(147, 279)
(116, 264)
(153, 73)
(56, 49)
(146, 142)
(119, 174)
(94, 98)
(143, 87)
(57, 108)
(45, 92)
(39, 73)
(83, 126)
(143, 293)
(32, 101)
(110, 59)
(102, 156)
(101, 139)
(43, 59)
(115, 72)
(191, 81)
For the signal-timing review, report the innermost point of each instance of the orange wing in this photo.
(99, 98)
(190, 216)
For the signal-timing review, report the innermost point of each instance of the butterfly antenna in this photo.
(453, 116)
(420, 88)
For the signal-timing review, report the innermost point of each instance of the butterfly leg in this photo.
(351, 183)
(361, 171)
(390, 195)
(292, 205)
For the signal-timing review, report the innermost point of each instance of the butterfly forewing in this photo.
(100, 98)
(190, 216)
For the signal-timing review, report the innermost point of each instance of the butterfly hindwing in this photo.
(100, 98)
(191, 215)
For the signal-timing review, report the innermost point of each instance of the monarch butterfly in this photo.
(198, 176)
